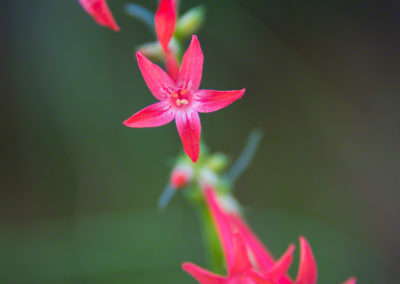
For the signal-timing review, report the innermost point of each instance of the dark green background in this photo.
(79, 189)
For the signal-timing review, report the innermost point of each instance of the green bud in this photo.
(217, 162)
(190, 22)
(154, 52)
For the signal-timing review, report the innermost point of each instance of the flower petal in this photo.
(165, 20)
(99, 10)
(159, 83)
(282, 265)
(192, 66)
(223, 228)
(202, 275)
(189, 128)
(262, 256)
(351, 280)
(308, 268)
(210, 100)
(256, 278)
(152, 116)
(241, 261)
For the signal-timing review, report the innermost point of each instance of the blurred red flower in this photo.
(165, 21)
(238, 242)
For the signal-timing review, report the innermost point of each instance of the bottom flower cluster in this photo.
(247, 260)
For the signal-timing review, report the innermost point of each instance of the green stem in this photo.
(211, 241)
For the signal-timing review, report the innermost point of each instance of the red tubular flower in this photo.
(181, 99)
(165, 21)
(99, 10)
(238, 241)
(239, 266)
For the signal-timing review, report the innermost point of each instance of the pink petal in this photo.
(172, 64)
(263, 257)
(202, 275)
(308, 268)
(241, 261)
(259, 279)
(152, 116)
(192, 66)
(165, 20)
(223, 228)
(210, 100)
(99, 10)
(282, 265)
(159, 83)
(188, 124)
(351, 280)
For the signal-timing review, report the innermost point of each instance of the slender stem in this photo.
(166, 196)
(141, 13)
(211, 241)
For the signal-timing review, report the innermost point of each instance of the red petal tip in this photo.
(193, 157)
(100, 12)
(139, 55)
(308, 268)
(351, 280)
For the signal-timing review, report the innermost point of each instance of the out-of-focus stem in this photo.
(211, 241)
(166, 196)
(141, 13)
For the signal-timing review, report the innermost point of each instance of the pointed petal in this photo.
(159, 83)
(259, 279)
(262, 256)
(189, 128)
(351, 280)
(100, 12)
(241, 261)
(192, 66)
(308, 268)
(172, 64)
(210, 100)
(152, 116)
(223, 228)
(282, 265)
(165, 20)
(202, 275)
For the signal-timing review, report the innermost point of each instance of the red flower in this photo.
(165, 21)
(239, 266)
(238, 241)
(181, 99)
(99, 10)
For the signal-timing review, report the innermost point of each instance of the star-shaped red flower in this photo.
(100, 12)
(180, 99)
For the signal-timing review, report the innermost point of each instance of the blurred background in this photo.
(79, 190)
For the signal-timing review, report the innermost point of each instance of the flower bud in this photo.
(181, 176)
(217, 162)
(153, 51)
(190, 22)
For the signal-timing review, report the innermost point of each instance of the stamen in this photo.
(183, 92)
(174, 95)
(184, 101)
(178, 102)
